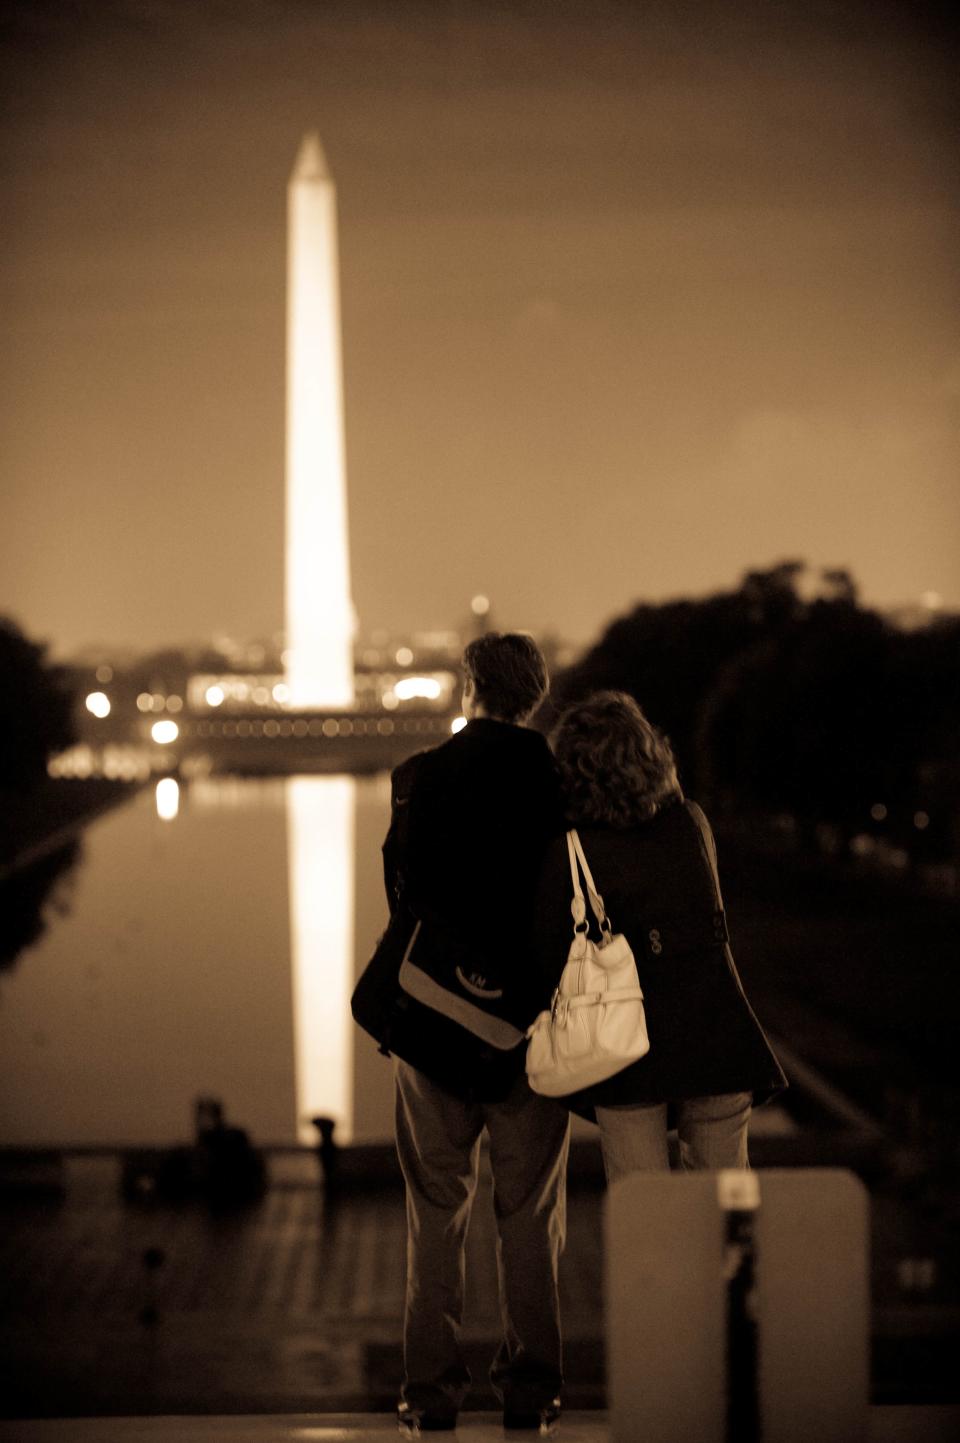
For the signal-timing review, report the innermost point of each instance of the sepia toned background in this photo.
(651, 347)
(633, 298)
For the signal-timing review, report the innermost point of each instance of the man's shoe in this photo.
(414, 1421)
(539, 1420)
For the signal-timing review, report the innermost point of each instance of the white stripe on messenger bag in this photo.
(495, 1030)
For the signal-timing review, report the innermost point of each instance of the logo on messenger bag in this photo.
(476, 983)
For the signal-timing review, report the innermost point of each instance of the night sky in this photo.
(631, 303)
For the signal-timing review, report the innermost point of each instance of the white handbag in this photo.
(596, 1024)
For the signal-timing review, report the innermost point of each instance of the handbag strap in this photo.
(578, 907)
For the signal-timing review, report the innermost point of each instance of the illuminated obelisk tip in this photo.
(319, 613)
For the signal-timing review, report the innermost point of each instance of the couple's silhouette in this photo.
(477, 844)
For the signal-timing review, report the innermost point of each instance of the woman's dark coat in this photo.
(660, 887)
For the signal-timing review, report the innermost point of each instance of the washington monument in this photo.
(319, 612)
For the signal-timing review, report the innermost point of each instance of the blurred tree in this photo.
(786, 695)
(804, 723)
(927, 680)
(35, 709)
(672, 656)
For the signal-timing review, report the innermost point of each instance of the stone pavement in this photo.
(305, 1428)
(107, 1308)
(883, 1425)
(152, 1318)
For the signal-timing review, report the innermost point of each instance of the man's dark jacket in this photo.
(471, 820)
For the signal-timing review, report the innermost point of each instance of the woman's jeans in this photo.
(712, 1132)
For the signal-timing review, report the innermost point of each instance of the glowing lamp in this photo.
(411, 686)
(167, 798)
(164, 732)
(98, 703)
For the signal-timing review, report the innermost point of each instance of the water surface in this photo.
(211, 952)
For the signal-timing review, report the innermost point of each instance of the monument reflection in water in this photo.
(320, 859)
(335, 831)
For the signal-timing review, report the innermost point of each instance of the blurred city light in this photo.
(921, 821)
(878, 812)
(164, 732)
(98, 703)
(281, 692)
(214, 696)
(458, 724)
(168, 797)
(480, 605)
(411, 686)
(404, 656)
(75, 762)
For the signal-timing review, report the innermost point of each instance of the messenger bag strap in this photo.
(578, 907)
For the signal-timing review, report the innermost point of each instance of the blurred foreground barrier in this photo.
(737, 1307)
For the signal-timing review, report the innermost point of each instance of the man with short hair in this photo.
(470, 823)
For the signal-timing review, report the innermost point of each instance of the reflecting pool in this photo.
(213, 934)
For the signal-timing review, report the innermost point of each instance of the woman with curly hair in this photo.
(653, 859)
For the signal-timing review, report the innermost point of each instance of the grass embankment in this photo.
(870, 952)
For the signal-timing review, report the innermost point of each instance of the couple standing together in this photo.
(477, 840)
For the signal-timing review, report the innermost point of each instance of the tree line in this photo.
(36, 709)
(784, 695)
(793, 699)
